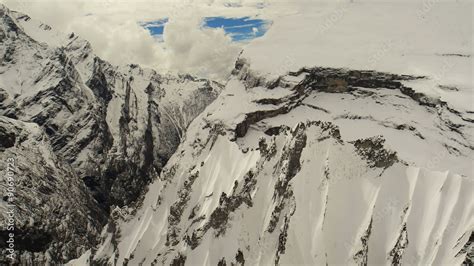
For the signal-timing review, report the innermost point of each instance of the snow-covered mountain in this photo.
(111, 129)
(295, 161)
(320, 166)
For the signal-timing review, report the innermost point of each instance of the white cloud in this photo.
(114, 31)
(192, 48)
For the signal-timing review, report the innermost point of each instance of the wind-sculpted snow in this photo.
(113, 127)
(317, 167)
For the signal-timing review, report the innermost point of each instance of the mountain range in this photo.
(317, 165)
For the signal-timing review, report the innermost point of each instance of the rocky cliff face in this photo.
(54, 214)
(110, 129)
(320, 166)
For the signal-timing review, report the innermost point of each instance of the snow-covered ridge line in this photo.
(334, 80)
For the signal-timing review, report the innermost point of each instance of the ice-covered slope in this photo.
(112, 128)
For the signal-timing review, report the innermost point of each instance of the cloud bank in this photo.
(114, 29)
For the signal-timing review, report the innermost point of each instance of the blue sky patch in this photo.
(156, 27)
(239, 29)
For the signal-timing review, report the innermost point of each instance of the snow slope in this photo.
(316, 167)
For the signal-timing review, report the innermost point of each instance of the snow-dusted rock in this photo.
(112, 128)
(54, 216)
